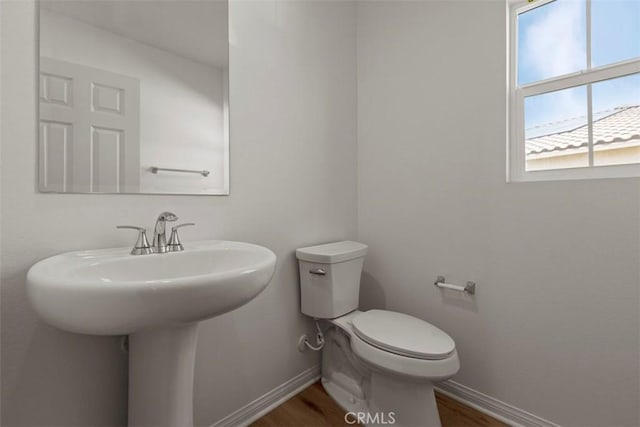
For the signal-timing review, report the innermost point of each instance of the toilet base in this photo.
(388, 402)
(413, 404)
(346, 400)
(372, 397)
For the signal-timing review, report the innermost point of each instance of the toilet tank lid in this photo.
(331, 253)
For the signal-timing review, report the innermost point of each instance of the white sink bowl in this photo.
(110, 292)
(157, 300)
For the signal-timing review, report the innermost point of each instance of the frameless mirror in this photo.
(134, 96)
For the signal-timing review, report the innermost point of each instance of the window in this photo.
(574, 89)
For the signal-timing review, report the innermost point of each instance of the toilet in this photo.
(378, 365)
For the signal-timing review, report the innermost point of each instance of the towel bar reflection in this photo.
(155, 169)
(469, 288)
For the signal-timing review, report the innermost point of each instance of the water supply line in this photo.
(304, 343)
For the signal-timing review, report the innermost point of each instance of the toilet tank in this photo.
(330, 278)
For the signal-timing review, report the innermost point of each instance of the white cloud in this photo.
(556, 44)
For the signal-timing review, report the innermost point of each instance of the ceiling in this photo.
(195, 29)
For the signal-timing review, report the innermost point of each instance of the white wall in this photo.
(293, 183)
(554, 326)
(181, 101)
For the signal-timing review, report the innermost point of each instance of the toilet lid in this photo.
(403, 334)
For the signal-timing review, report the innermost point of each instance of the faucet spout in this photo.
(159, 231)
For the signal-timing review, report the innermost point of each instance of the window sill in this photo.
(597, 172)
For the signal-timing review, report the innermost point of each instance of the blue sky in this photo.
(552, 42)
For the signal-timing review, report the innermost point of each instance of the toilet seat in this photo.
(418, 369)
(403, 335)
(384, 351)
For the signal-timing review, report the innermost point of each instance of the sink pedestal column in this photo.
(161, 370)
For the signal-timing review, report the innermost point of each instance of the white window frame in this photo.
(516, 167)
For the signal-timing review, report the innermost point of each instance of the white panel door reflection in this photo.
(89, 129)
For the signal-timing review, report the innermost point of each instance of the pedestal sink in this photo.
(158, 301)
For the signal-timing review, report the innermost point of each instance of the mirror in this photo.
(134, 96)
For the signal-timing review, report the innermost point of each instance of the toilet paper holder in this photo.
(469, 288)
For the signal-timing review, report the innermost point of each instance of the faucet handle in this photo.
(174, 244)
(142, 246)
(175, 227)
(132, 227)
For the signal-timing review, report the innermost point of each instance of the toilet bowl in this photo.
(378, 365)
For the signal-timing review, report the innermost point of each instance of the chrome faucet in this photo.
(159, 244)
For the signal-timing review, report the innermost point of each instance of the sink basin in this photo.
(158, 301)
(110, 292)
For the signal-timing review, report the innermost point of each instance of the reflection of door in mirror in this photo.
(134, 97)
(76, 102)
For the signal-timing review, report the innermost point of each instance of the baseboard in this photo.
(268, 401)
(497, 409)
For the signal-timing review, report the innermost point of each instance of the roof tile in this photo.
(621, 126)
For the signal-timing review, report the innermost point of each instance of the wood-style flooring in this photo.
(314, 408)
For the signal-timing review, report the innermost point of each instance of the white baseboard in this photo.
(497, 409)
(268, 401)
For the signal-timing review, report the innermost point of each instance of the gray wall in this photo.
(293, 183)
(554, 327)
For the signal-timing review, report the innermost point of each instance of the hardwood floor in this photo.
(455, 414)
(314, 408)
